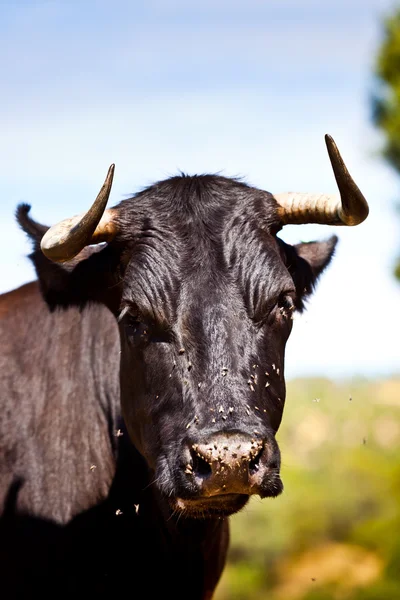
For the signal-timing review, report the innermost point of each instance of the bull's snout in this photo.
(234, 464)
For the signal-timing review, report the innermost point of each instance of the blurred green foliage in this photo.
(386, 104)
(334, 533)
(386, 99)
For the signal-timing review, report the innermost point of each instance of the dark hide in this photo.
(66, 470)
(193, 299)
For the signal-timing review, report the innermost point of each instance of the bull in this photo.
(142, 380)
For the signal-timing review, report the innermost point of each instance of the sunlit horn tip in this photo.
(111, 170)
(354, 207)
(106, 187)
(329, 140)
(333, 150)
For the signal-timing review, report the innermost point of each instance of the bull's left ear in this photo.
(93, 275)
(306, 262)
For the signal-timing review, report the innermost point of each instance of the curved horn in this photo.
(350, 208)
(66, 239)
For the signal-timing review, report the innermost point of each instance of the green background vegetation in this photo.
(386, 97)
(334, 533)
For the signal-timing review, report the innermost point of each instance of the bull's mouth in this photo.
(208, 507)
(222, 505)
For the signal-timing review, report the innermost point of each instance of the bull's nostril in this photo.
(201, 467)
(253, 466)
(254, 462)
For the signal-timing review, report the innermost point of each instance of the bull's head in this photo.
(204, 294)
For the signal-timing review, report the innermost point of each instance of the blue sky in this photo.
(243, 88)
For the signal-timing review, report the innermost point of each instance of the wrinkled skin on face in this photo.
(204, 292)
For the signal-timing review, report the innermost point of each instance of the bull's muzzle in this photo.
(234, 464)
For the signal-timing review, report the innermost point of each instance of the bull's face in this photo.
(204, 293)
(202, 361)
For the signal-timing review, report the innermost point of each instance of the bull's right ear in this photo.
(92, 276)
(306, 262)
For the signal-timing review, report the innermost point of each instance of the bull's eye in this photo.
(282, 310)
(140, 332)
(279, 310)
(286, 305)
(137, 332)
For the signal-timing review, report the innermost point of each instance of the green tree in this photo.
(386, 100)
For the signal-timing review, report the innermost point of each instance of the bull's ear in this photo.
(92, 276)
(306, 262)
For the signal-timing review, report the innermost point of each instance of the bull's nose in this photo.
(229, 464)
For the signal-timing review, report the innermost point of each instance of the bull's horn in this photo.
(350, 208)
(66, 239)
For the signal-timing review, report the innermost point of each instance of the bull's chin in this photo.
(209, 507)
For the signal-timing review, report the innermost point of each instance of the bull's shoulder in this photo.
(59, 398)
(16, 299)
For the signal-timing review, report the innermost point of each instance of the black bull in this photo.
(142, 383)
